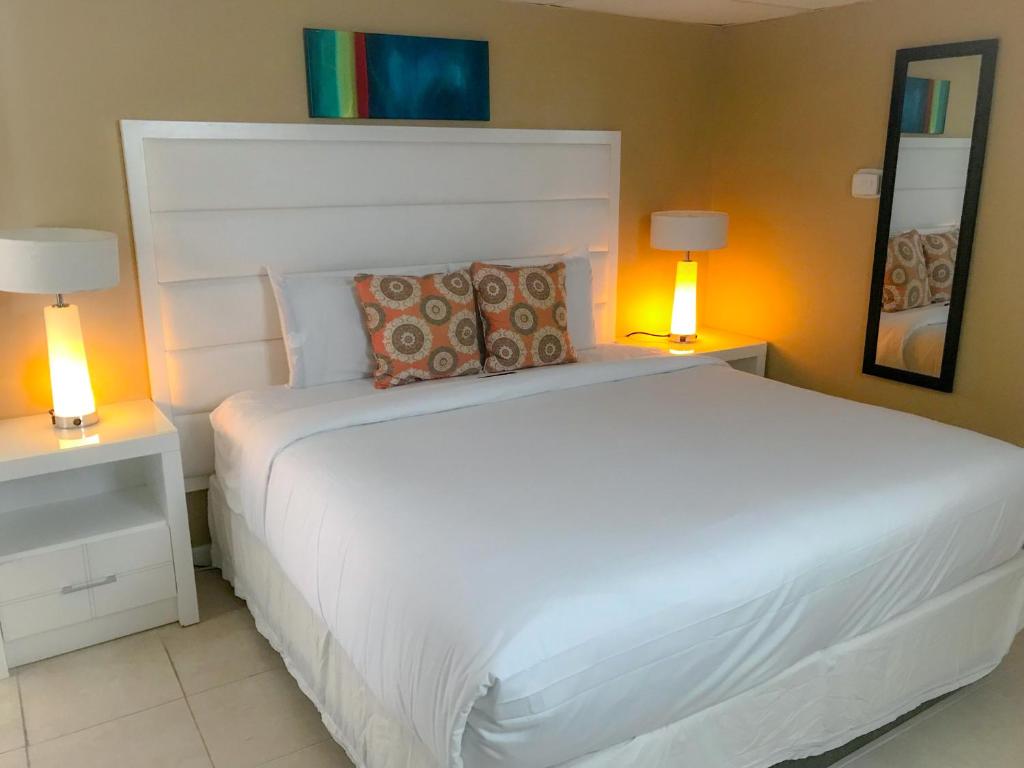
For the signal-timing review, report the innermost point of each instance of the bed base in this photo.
(818, 704)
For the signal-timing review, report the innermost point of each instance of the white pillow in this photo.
(322, 325)
(579, 291)
(579, 299)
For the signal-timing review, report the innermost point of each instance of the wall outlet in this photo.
(867, 183)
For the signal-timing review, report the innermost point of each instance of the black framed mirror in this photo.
(931, 188)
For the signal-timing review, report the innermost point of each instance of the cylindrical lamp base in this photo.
(73, 403)
(684, 303)
(677, 338)
(74, 422)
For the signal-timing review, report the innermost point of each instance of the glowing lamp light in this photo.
(684, 302)
(66, 443)
(687, 231)
(69, 370)
(59, 261)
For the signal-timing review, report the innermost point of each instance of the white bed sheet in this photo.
(914, 339)
(232, 424)
(542, 583)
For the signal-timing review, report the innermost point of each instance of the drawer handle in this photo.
(91, 585)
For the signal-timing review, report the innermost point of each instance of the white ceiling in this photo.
(699, 11)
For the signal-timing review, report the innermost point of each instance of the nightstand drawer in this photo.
(40, 614)
(134, 589)
(41, 574)
(129, 551)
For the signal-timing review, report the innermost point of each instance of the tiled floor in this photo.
(211, 695)
(216, 695)
(980, 726)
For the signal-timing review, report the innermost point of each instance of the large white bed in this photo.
(633, 560)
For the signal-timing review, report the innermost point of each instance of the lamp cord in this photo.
(645, 333)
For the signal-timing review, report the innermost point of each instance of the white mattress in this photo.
(556, 562)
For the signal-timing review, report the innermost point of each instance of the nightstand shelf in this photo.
(94, 540)
(34, 530)
(744, 353)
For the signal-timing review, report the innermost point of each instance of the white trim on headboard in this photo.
(931, 180)
(213, 203)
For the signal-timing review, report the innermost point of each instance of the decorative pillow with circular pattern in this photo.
(940, 258)
(906, 274)
(420, 328)
(524, 316)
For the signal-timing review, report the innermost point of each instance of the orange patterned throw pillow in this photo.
(419, 327)
(940, 258)
(906, 274)
(525, 320)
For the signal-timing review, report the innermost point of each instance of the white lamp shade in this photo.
(689, 230)
(57, 260)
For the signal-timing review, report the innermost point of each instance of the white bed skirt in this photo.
(818, 704)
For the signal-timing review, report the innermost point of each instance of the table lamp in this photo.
(58, 260)
(687, 231)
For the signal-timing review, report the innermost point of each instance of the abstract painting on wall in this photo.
(925, 105)
(362, 74)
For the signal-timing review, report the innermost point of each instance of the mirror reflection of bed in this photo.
(931, 179)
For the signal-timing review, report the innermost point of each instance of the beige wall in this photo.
(804, 103)
(69, 70)
(801, 103)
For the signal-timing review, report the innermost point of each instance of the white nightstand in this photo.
(744, 353)
(94, 540)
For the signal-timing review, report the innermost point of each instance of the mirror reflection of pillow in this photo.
(906, 273)
(940, 258)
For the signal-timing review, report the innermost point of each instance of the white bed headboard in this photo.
(931, 180)
(214, 203)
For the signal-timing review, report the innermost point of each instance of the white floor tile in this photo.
(980, 727)
(982, 730)
(218, 651)
(88, 687)
(12, 733)
(326, 754)
(162, 737)
(256, 720)
(15, 759)
(1008, 678)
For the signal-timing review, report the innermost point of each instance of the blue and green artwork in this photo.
(925, 105)
(401, 77)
